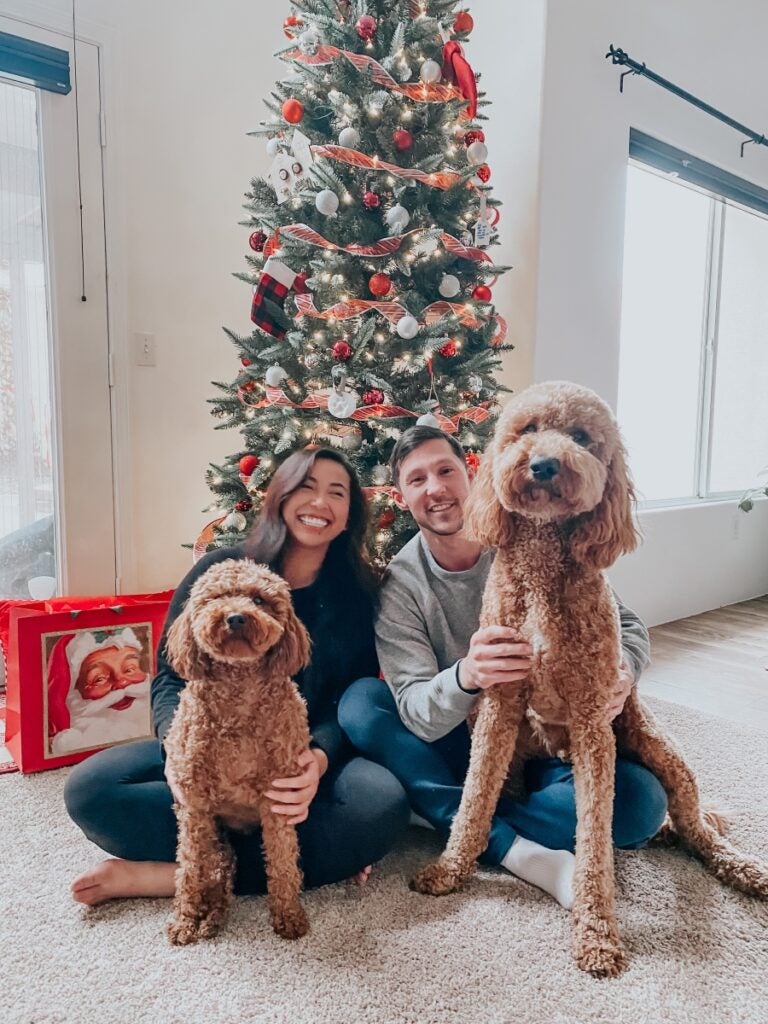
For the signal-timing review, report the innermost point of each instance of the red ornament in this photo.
(293, 111)
(300, 284)
(464, 22)
(341, 351)
(373, 397)
(247, 464)
(380, 285)
(386, 519)
(371, 201)
(448, 349)
(474, 135)
(291, 25)
(484, 172)
(472, 460)
(244, 505)
(366, 27)
(245, 361)
(248, 387)
(482, 293)
(402, 139)
(257, 241)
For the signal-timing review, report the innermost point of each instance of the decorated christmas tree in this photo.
(370, 268)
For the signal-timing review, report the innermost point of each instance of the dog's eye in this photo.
(257, 600)
(580, 437)
(530, 429)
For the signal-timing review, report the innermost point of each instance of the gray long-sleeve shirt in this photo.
(425, 622)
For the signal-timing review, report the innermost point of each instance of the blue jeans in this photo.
(432, 775)
(121, 801)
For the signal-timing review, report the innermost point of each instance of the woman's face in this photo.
(317, 511)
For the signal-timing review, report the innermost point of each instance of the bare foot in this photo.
(116, 879)
(362, 876)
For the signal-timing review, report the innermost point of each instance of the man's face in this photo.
(433, 486)
(111, 668)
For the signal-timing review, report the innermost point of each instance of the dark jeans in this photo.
(432, 775)
(121, 801)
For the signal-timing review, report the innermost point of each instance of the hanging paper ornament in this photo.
(247, 464)
(477, 153)
(448, 350)
(275, 376)
(402, 139)
(464, 22)
(300, 284)
(341, 351)
(291, 25)
(234, 521)
(273, 147)
(386, 519)
(371, 200)
(308, 42)
(398, 218)
(257, 241)
(484, 173)
(475, 383)
(380, 285)
(407, 327)
(380, 474)
(373, 397)
(327, 202)
(449, 286)
(366, 27)
(482, 293)
(293, 111)
(430, 72)
(349, 138)
(427, 420)
(474, 135)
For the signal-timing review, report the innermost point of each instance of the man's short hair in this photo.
(415, 437)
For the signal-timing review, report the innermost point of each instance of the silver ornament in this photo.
(327, 202)
(308, 42)
(380, 474)
(311, 360)
(407, 327)
(427, 420)
(430, 72)
(235, 521)
(475, 383)
(450, 286)
(275, 376)
(477, 153)
(349, 138)
(397, 218)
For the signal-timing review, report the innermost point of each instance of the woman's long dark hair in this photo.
(346, 554)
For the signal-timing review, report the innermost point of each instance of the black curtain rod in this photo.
(618, 56)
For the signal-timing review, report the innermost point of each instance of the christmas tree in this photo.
(370, 269)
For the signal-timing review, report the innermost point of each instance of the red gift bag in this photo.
(78, 673)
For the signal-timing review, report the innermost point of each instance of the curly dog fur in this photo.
(553, 496)
(240, 724)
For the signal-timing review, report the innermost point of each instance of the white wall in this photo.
(692, 559)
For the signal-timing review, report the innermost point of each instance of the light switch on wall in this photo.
(145, 352)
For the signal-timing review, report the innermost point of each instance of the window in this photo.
(694, 332)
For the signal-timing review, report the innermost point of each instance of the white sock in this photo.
(550, 870)
(420, 822)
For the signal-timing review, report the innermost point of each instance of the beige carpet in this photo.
(497, 953)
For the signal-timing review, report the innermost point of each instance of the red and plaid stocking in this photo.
(269, 298)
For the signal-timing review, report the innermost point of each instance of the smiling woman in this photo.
(349, 811)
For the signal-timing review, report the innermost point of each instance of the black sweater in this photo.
(338, 616)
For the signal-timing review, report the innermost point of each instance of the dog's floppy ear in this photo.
(609, 529)
(292, 652)
(185, 657)
(485, 519)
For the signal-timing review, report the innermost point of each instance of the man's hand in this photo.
(292, 797)
(495, 656)
(623, 689)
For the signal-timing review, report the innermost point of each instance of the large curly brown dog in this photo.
(240, 724)
(554, 497)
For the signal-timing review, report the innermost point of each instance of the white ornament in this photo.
(450, 286)
(327, 202)
(342, 405)
(308, 42)
(430, 72)
(275, 376)
(235, 521)
(349, 138)
(397, 218)
(273, 147)
(477, 153)
(380, 474)
(427, 420)
(407, 327)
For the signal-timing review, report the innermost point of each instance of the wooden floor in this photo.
(716, 662)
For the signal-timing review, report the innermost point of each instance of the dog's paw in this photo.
(183, 931)
(290, 922)
(436, 879)
(599, 951)
(743, 873)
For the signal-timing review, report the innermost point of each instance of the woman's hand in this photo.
(623, 689)
(292, 797)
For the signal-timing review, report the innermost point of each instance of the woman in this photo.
(348, 811)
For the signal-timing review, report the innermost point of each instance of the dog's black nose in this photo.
(544, 469)
(236, 621)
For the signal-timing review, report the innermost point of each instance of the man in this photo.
(436, 661)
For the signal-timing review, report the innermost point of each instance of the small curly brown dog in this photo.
(240, 724)
(554, 498)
